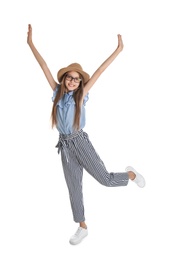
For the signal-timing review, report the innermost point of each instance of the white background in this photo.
(129, 121)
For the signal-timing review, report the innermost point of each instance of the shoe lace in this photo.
(78, 231)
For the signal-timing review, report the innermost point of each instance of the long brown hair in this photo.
(78, 95)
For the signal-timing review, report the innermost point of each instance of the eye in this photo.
(68, 77)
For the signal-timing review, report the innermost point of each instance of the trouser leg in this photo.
(73, 173)
(95, 166)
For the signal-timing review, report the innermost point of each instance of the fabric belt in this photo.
(63, 141)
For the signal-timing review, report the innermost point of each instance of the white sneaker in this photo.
(139, 179)
(78, 236)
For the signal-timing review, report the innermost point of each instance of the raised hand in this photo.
(29, 34)
(120, 43)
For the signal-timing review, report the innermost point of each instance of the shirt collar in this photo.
(69, 93)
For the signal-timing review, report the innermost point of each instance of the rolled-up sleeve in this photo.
(55, 92)
(86, 98)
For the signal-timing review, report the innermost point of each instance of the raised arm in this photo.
(40, 60)
(104, 65)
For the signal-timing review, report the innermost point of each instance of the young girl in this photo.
(70, 95)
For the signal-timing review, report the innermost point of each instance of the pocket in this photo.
(60, 103)
(85, 136)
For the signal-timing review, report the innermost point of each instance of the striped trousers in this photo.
(78, 153)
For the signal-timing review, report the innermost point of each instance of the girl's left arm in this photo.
(104, 65)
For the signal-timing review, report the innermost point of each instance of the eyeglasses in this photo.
(70, 78)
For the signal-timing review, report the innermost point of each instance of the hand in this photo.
(120, 43)
(29, 37)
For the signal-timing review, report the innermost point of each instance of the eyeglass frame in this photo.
(72, 78)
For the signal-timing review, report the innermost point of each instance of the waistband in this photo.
(63, 141)
(71, 136)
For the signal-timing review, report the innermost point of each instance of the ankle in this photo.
(83, 225)
(131, 175)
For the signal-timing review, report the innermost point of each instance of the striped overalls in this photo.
(77, 153)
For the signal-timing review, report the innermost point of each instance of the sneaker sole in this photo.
(76, 243)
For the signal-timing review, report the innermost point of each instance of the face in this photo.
(72, 80)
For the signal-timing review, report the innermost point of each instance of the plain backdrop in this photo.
(129, 121)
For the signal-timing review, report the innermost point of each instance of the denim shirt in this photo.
(66, 111)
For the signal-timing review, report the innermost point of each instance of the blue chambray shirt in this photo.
(66, 112)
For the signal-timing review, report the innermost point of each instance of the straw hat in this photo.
(73, 67)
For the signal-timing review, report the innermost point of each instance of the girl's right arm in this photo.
(40, 60)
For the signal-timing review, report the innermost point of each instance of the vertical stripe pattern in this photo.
(78, 153)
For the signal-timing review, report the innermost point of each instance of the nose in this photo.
(72, 79)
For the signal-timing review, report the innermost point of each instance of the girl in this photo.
(70, 95)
